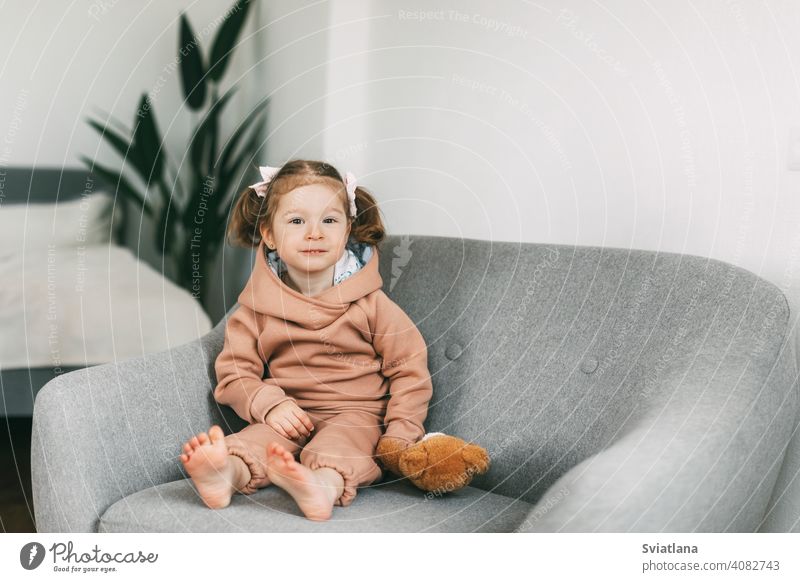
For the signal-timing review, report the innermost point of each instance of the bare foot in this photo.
(206, 459)
(313, 493)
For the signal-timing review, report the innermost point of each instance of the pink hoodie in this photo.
(343, 349)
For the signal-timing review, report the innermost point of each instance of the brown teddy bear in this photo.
(438, 462)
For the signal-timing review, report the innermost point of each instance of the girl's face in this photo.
(309, 229)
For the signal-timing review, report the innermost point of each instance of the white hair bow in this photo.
(350, 185)
(268, 172)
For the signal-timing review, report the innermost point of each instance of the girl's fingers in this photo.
(302, 428)
(289, 428)
(305, 423)
(278, 429)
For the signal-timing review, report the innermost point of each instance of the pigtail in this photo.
(368, 225)
(246, 215)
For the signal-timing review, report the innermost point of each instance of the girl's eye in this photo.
(292, 221)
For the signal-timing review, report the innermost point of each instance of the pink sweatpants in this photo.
(344, 441)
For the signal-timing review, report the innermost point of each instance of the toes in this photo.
(187, 448)
(216, 434)
(194, 442)
(203, 437)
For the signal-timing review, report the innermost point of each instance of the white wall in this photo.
(628, 124)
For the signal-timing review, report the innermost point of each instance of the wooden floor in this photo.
(16, 502)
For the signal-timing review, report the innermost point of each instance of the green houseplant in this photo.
(189, 206)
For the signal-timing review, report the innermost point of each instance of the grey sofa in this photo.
(615, 390)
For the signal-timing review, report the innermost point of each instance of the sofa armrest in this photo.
(102, 433)
(704, 457)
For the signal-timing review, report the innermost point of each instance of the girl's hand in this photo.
(289, 420)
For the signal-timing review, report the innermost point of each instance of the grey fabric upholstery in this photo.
(391, 506)
(615, 390)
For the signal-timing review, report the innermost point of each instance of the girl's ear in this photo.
(265, 235)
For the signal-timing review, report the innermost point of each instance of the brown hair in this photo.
(250, 211)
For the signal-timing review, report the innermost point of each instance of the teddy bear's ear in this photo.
(413, 461)
(476, 458)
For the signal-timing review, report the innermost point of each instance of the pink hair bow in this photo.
(267, 172)
(350, 185)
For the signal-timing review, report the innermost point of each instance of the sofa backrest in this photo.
(545, 355)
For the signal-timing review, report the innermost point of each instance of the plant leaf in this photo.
(123, 187)
(117, 141)
(206, 133)
(236, 167)
(233, 141)
(129, 152)
(147, 143)
(225, 40)
(165, 232)
(110, 118)
(193, 78)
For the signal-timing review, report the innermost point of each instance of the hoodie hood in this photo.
(267, 294)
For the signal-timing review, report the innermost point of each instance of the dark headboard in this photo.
(46, 185)
(27, 185)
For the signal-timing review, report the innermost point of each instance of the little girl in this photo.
(334, 344)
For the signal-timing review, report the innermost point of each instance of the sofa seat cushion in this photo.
(390, 506)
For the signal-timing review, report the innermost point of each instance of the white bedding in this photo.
(79, 306)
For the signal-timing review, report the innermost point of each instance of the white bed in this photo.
(70, 296)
